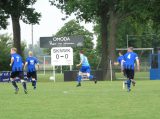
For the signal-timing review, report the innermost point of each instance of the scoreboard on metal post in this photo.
(61, 52)
(62, 56)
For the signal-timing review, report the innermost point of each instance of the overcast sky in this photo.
(50, 22)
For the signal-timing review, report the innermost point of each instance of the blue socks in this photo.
(128, 84)
(79, 78)
(90, 77)
(34, 83)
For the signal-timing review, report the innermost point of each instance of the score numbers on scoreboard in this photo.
(61, 56)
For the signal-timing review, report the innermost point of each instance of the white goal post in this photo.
(151, 49)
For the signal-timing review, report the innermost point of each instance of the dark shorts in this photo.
(32, 75)
(124, 73)
(18, 74)
(85, 69)
(129, 73)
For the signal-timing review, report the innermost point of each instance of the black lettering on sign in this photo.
(66, 56)
(57, 56)
(61, 50)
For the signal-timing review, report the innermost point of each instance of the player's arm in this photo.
(138, 64)
(26, 63)
(12, 60)
(116, 63)
(81, 60)
(38, 65)
(79, 64)
(122, 66)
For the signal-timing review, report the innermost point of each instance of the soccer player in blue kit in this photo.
(17, 70)
(85, 68)
(120, 61)
(129, 65)
(31, 69)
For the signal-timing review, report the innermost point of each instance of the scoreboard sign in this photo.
(61, 56)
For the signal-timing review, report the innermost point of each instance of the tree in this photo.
(37, 50)
(108, 13)
(18, 10)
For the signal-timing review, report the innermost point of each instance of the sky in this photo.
(50, 23)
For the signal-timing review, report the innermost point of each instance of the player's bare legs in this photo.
(24, 86)
(15, 85)
(34, 83)
(133, 82)
(91, 77)
(79, 78)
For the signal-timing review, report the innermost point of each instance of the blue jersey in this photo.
(17, 64)
(120, 59)
(84, 60)
(32, 61)
(130, 58)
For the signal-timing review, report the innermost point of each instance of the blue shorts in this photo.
(85, 69)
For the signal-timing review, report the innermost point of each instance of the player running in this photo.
(31, 69)
(17, 70)
(120, 61)
(85, 68)
(129, 65)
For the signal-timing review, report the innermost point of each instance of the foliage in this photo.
(3, 19)
(21, 9)
(5, 45)
(18, 10)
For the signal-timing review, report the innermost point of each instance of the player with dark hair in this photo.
(129, 65)
(85, 68)
(120, 61)
(31, 69)
(17, 70)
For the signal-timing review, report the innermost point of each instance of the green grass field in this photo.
(62, 100)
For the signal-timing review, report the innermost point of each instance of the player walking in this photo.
(85, 68)
(129, 65)
(31, 69)
(17, 70)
